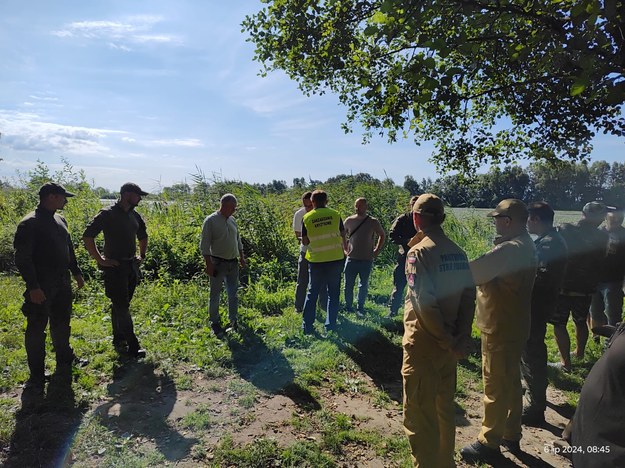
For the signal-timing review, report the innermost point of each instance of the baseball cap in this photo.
(595, 209)
(50, 188)
(134, 188)
(512, 208)
(428, 204)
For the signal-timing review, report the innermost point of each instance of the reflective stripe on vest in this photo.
(322, 230)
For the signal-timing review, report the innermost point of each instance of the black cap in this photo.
(134, 188)
(50, 188)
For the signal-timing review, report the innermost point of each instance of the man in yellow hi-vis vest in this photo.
(324, 234)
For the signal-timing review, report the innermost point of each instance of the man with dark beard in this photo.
(122, 227)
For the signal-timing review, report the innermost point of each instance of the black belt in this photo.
(225, 259)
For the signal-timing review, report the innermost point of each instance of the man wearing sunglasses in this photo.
(504, 277)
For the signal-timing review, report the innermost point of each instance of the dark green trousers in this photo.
(57, 310)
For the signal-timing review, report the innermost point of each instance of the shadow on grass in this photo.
(564, 381)
(268, 370)
(375, 354)
(45, 426)
(392, 325)
(140, 402)
(473, 364)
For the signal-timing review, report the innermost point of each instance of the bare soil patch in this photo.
(144, 407)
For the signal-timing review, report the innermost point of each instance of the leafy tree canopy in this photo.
(489, 81)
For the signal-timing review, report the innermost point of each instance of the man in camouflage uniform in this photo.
(437, 330)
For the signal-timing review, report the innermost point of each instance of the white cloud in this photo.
(37, 97)
(28, 132)
(122, 47)
(118, 34)
(187, 143)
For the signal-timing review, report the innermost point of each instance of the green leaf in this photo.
(578, 88)
(379, 18)
(370, 30)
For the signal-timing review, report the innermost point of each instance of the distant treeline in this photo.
(566, 186)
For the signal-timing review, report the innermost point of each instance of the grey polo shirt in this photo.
(220, 237)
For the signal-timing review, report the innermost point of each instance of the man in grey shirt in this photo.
(222, 250)
(362, 249)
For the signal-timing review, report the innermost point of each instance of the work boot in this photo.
(34, 386)
(136, 353)
(478, 452)
(216, 327)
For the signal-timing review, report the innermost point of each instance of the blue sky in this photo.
(152, 90)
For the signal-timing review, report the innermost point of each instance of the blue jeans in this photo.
(397, 298)
(228, 272)
(302, 286)
(362, 268)
(320, 275)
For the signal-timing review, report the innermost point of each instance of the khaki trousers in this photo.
(429, 385)
(503, 395)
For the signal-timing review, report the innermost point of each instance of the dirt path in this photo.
(271, 416)
(145, 409)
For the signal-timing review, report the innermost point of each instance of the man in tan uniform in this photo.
(437, 324)
(504, 278)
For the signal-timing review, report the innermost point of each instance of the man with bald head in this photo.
(222, 250)
(362, 248)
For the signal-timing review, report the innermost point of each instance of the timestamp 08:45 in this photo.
(571, 449)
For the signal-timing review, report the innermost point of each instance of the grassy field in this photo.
(188, 401)
(264, 396)
(560, 217)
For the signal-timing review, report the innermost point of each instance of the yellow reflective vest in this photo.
(323, 231)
